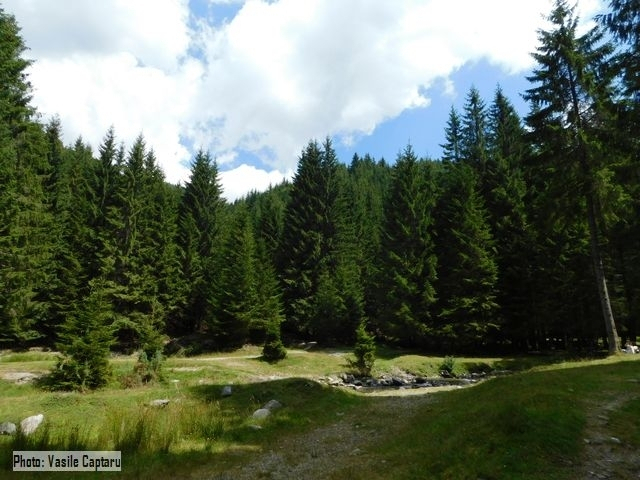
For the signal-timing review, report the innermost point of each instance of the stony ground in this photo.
(350, 443)
(606, 457)
(346, 445)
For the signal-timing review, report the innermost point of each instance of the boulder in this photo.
(261, 413)
(272, 405)
(163, 402)
(7, 428)
(226, 391)
(397, 382)
(31, 424)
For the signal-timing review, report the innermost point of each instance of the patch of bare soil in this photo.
(20, 377)
(345, 444)
(606, 456)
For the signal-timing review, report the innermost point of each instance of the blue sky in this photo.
(253, 80)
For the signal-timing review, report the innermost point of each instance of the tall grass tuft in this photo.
(204, 422)
(130, 431)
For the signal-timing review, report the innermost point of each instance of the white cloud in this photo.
(246, 178)
(268, 79)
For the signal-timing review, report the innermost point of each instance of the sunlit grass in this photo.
(521, 426)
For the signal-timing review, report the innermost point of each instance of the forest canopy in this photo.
(525, 235)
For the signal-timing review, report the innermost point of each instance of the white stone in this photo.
(261, 413)
(272, 405)
(7, 428)
(31, 424)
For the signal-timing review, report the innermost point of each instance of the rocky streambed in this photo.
(406, 381)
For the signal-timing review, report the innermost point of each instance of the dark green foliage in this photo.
(408, 260)
(505, 198)
(148, 369)
(572, 115)
(85, 342)
(474, 136)
(25, 219)
(15, 89)
(313, 261)
(234, 302)
(199, 225)
(452, 149)
(493, 246)
(467, 271)
(368, 185)
(273, 349)
(364, 352)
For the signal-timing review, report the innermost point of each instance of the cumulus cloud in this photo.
(246, 178)
(265, 80)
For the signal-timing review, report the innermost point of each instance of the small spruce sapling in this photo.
(273, 349)
(364, 351)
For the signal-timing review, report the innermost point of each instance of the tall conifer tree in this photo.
(571, 108)
(409, 260)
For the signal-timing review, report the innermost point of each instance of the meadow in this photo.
(550, 417)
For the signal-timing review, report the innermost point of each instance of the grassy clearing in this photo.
(527, 425)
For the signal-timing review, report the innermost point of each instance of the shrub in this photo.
(447, 366)
(364, 352)
(145, 370)
(85, 343)
(273, 349)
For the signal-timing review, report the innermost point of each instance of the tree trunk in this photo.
(612, 335)
(607, 313)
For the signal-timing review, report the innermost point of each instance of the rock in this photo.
(163, 402)
(261, 413)
(7, 428)
(310, 345)
(397, 382)
(31, 424)
(272, 405)
(348, 378)
(334, 382)
(226, 391)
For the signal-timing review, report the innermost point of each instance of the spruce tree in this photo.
(474, 136)
(236, 296)
(198, 238)
(409, 261)
(506, 197)
(452, 148)
(85, 341)
(72, 206)
(304, 247)
(467, 271)
(25, 217)
(571, 110)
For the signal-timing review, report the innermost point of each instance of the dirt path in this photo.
(345, 444)
(606, 456)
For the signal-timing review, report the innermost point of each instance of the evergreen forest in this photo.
(524, 236)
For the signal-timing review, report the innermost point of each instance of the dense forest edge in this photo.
(524, 236)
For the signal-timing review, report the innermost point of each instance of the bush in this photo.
(364, 352)
(85, 342)
(447, 366)
(145, 370)
(273, 349)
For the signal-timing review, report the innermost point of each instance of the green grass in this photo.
(523, 426)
